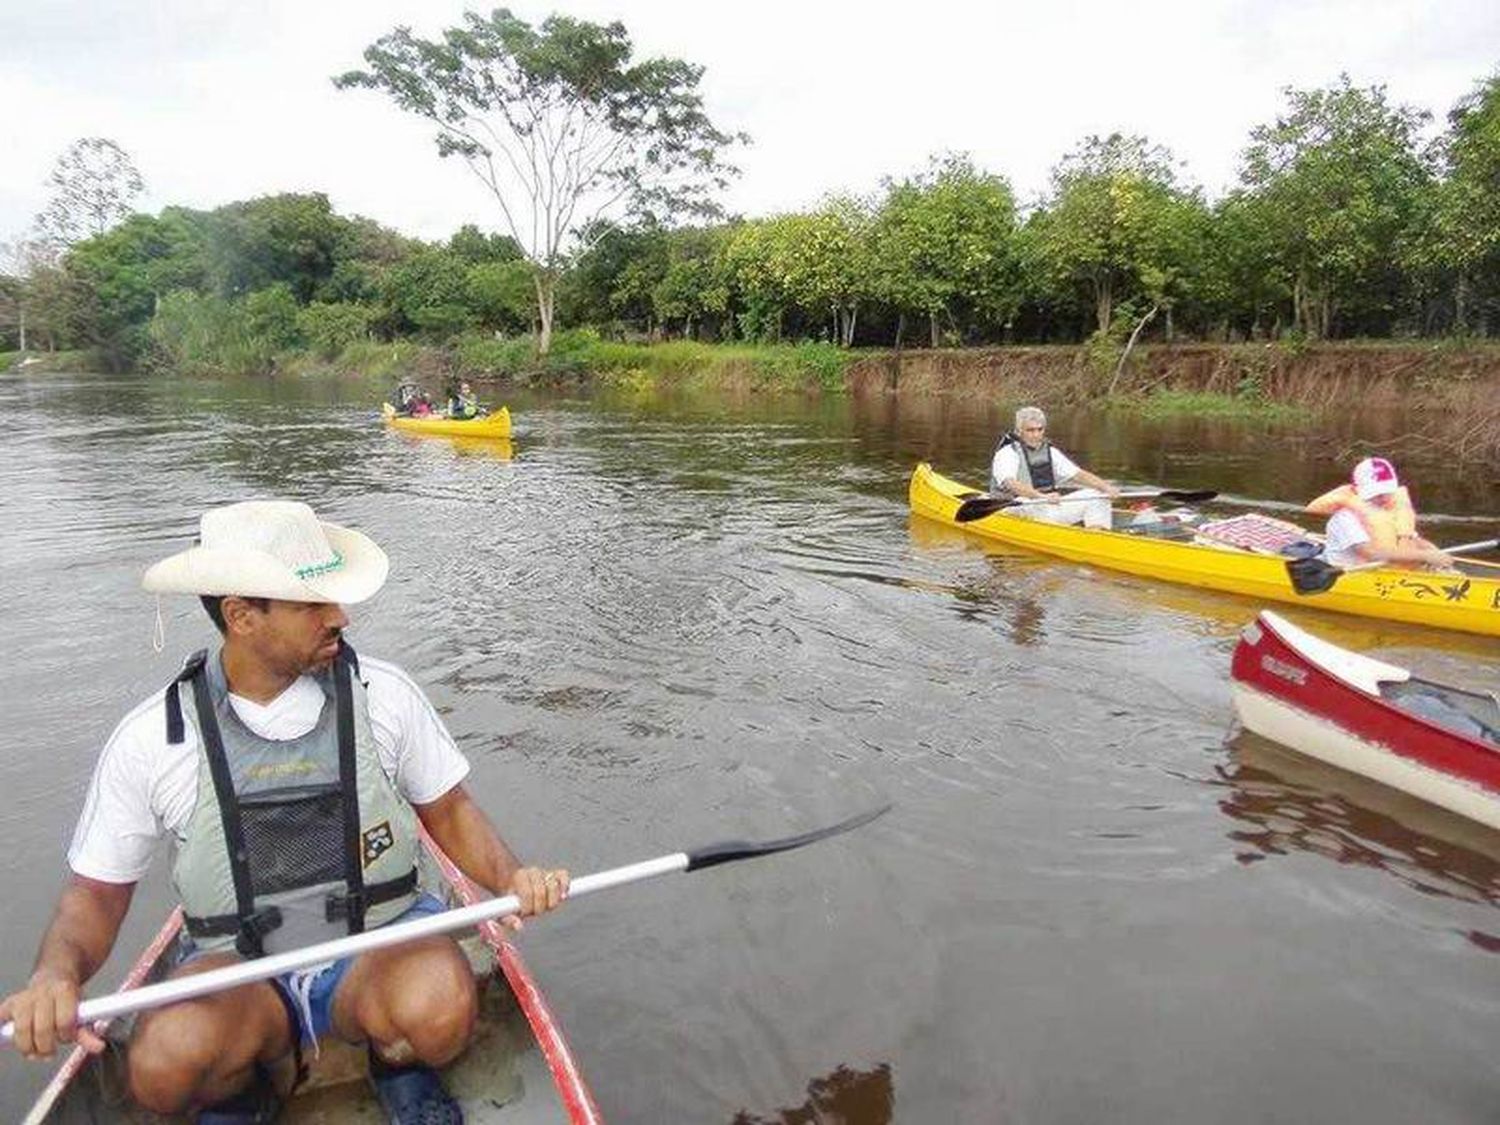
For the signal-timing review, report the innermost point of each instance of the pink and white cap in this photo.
(1374, 476)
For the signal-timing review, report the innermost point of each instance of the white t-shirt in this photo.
(1007, 464)
(144, 789)
(1344, 533)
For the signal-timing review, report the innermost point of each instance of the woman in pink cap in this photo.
(1371, 519)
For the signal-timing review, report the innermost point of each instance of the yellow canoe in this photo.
(496, 425)
(1468, 603)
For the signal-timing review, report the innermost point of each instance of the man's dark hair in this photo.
(214, 604)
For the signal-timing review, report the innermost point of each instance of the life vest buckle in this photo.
(254, 928)
(338, 908)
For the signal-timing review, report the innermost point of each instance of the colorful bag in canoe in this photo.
(1253, 532)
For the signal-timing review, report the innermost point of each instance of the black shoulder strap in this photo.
(354, 875)
(229, 810)
(190, 668)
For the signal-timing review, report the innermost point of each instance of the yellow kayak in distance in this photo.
(496, 425)
(1467, 603)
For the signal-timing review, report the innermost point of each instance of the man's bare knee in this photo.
(437, 1015)
(171, 1052)
(434, 1007)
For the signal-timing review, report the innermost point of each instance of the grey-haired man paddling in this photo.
(292, 776)
(1027, 465)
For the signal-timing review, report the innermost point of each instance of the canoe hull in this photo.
(1464, 603)
(496, 425)
(1325, 702)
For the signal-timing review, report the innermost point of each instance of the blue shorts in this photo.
(308, 993)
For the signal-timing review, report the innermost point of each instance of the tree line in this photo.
(1345, 222)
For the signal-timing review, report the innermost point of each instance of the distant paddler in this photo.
(1028, 466)
(463, 404)
(1371, 520)
(291, 776)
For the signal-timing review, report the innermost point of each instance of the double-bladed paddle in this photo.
(1317, 575)
(978, 506)
(247, 972)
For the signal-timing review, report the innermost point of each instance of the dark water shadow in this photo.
(845, 1097)
(1284, 803)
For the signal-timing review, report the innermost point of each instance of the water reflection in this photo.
(845, 1097)
(1285, 803)
(495, 449)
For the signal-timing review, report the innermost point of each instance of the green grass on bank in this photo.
(391, 362)
(1209, 404)
(583, 354)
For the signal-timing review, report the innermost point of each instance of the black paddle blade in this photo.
(727, 851)
(1312, 576)
(977, 507)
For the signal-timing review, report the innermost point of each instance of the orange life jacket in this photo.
(1385, 526)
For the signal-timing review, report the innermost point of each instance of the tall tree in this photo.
(944, 245)
(560, 124)
(1340, 177)
(93, 185)
(823, 264)
(1468, 205)
(1114, 223)
(760, 290)
(693, 289)
(292, 238)
(18, 260)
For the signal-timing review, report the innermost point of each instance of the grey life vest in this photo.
(289, 842)
(1034, 466)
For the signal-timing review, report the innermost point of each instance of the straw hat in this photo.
(1374, 476)
(273, 549)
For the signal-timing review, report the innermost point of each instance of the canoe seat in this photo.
(1466, 713)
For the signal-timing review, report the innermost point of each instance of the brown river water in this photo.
(654, 622)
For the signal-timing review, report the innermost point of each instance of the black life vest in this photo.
(1035, 467)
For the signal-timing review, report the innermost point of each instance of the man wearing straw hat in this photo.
(292, 776)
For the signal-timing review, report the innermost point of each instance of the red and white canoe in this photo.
(1435, 742)
(519, 1069)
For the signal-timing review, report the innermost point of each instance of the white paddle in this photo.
(247, 972)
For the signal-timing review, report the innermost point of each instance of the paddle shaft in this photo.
(1071, 497)
(979, 505)
(1461, 549)
(248, 972)
(263, 968)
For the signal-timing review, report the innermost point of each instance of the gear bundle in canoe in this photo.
(495, 425)
(1469, 603)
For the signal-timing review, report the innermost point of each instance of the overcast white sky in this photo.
(218, 100)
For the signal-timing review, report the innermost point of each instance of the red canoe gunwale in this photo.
(576, 1096)
(1325, 702)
